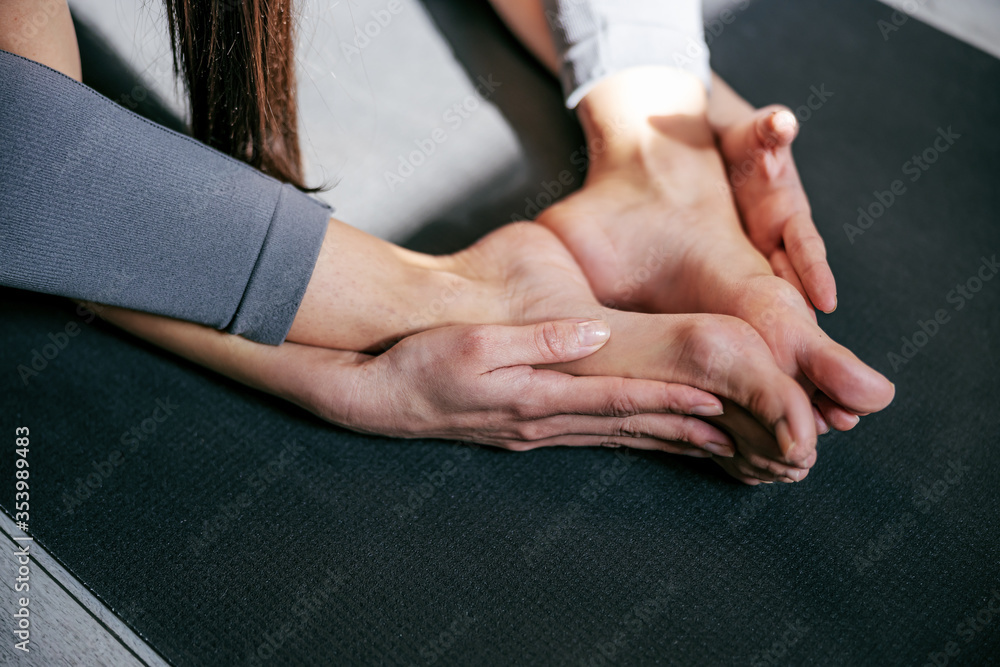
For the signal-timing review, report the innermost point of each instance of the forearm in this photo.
(41, 31)
(97, 203)
(366, 293)
(257, 365)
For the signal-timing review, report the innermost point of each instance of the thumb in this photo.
(548, 342)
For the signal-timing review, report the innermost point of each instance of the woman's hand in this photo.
(767, 415)
(472, 383)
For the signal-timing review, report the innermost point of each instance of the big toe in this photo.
(847, 380)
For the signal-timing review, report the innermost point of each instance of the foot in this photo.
(652, 233)
(756, 146)
(768, 416)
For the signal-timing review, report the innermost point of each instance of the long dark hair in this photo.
(236, 59)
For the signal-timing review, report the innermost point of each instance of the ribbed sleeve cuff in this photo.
(283, 269)
(619, 46)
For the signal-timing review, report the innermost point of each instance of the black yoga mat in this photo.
(229, 528)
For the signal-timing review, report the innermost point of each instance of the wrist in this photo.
(366, 293)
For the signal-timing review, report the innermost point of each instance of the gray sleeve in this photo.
(596, 38)
(98, 203)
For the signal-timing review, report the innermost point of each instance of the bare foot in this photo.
(756, 146)
(768, 417)
(666, 206)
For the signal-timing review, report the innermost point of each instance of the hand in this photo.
(651, 233)
(473, 383)
(756, 147)
(767, 414)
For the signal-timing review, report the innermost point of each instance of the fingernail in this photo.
(720, 450)
(785, 442)
(592, 333)
(784, 120)
(707, 410)
(795, 474)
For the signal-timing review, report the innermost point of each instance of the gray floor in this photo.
(356, 127)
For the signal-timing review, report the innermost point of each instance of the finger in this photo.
(499, 346)
(649, 444)
(666, 428)
(807, 253)
(783, 268)
(837, 417)
(551, 393)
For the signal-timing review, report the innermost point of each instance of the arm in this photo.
(468, 383)
(99, 203)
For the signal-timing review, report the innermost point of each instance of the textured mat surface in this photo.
(229, 528)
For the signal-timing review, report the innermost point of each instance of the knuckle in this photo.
(626, 427)
(621, 405)
(687, 430)
(549, 340)
(530, 431)
(475, 341)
